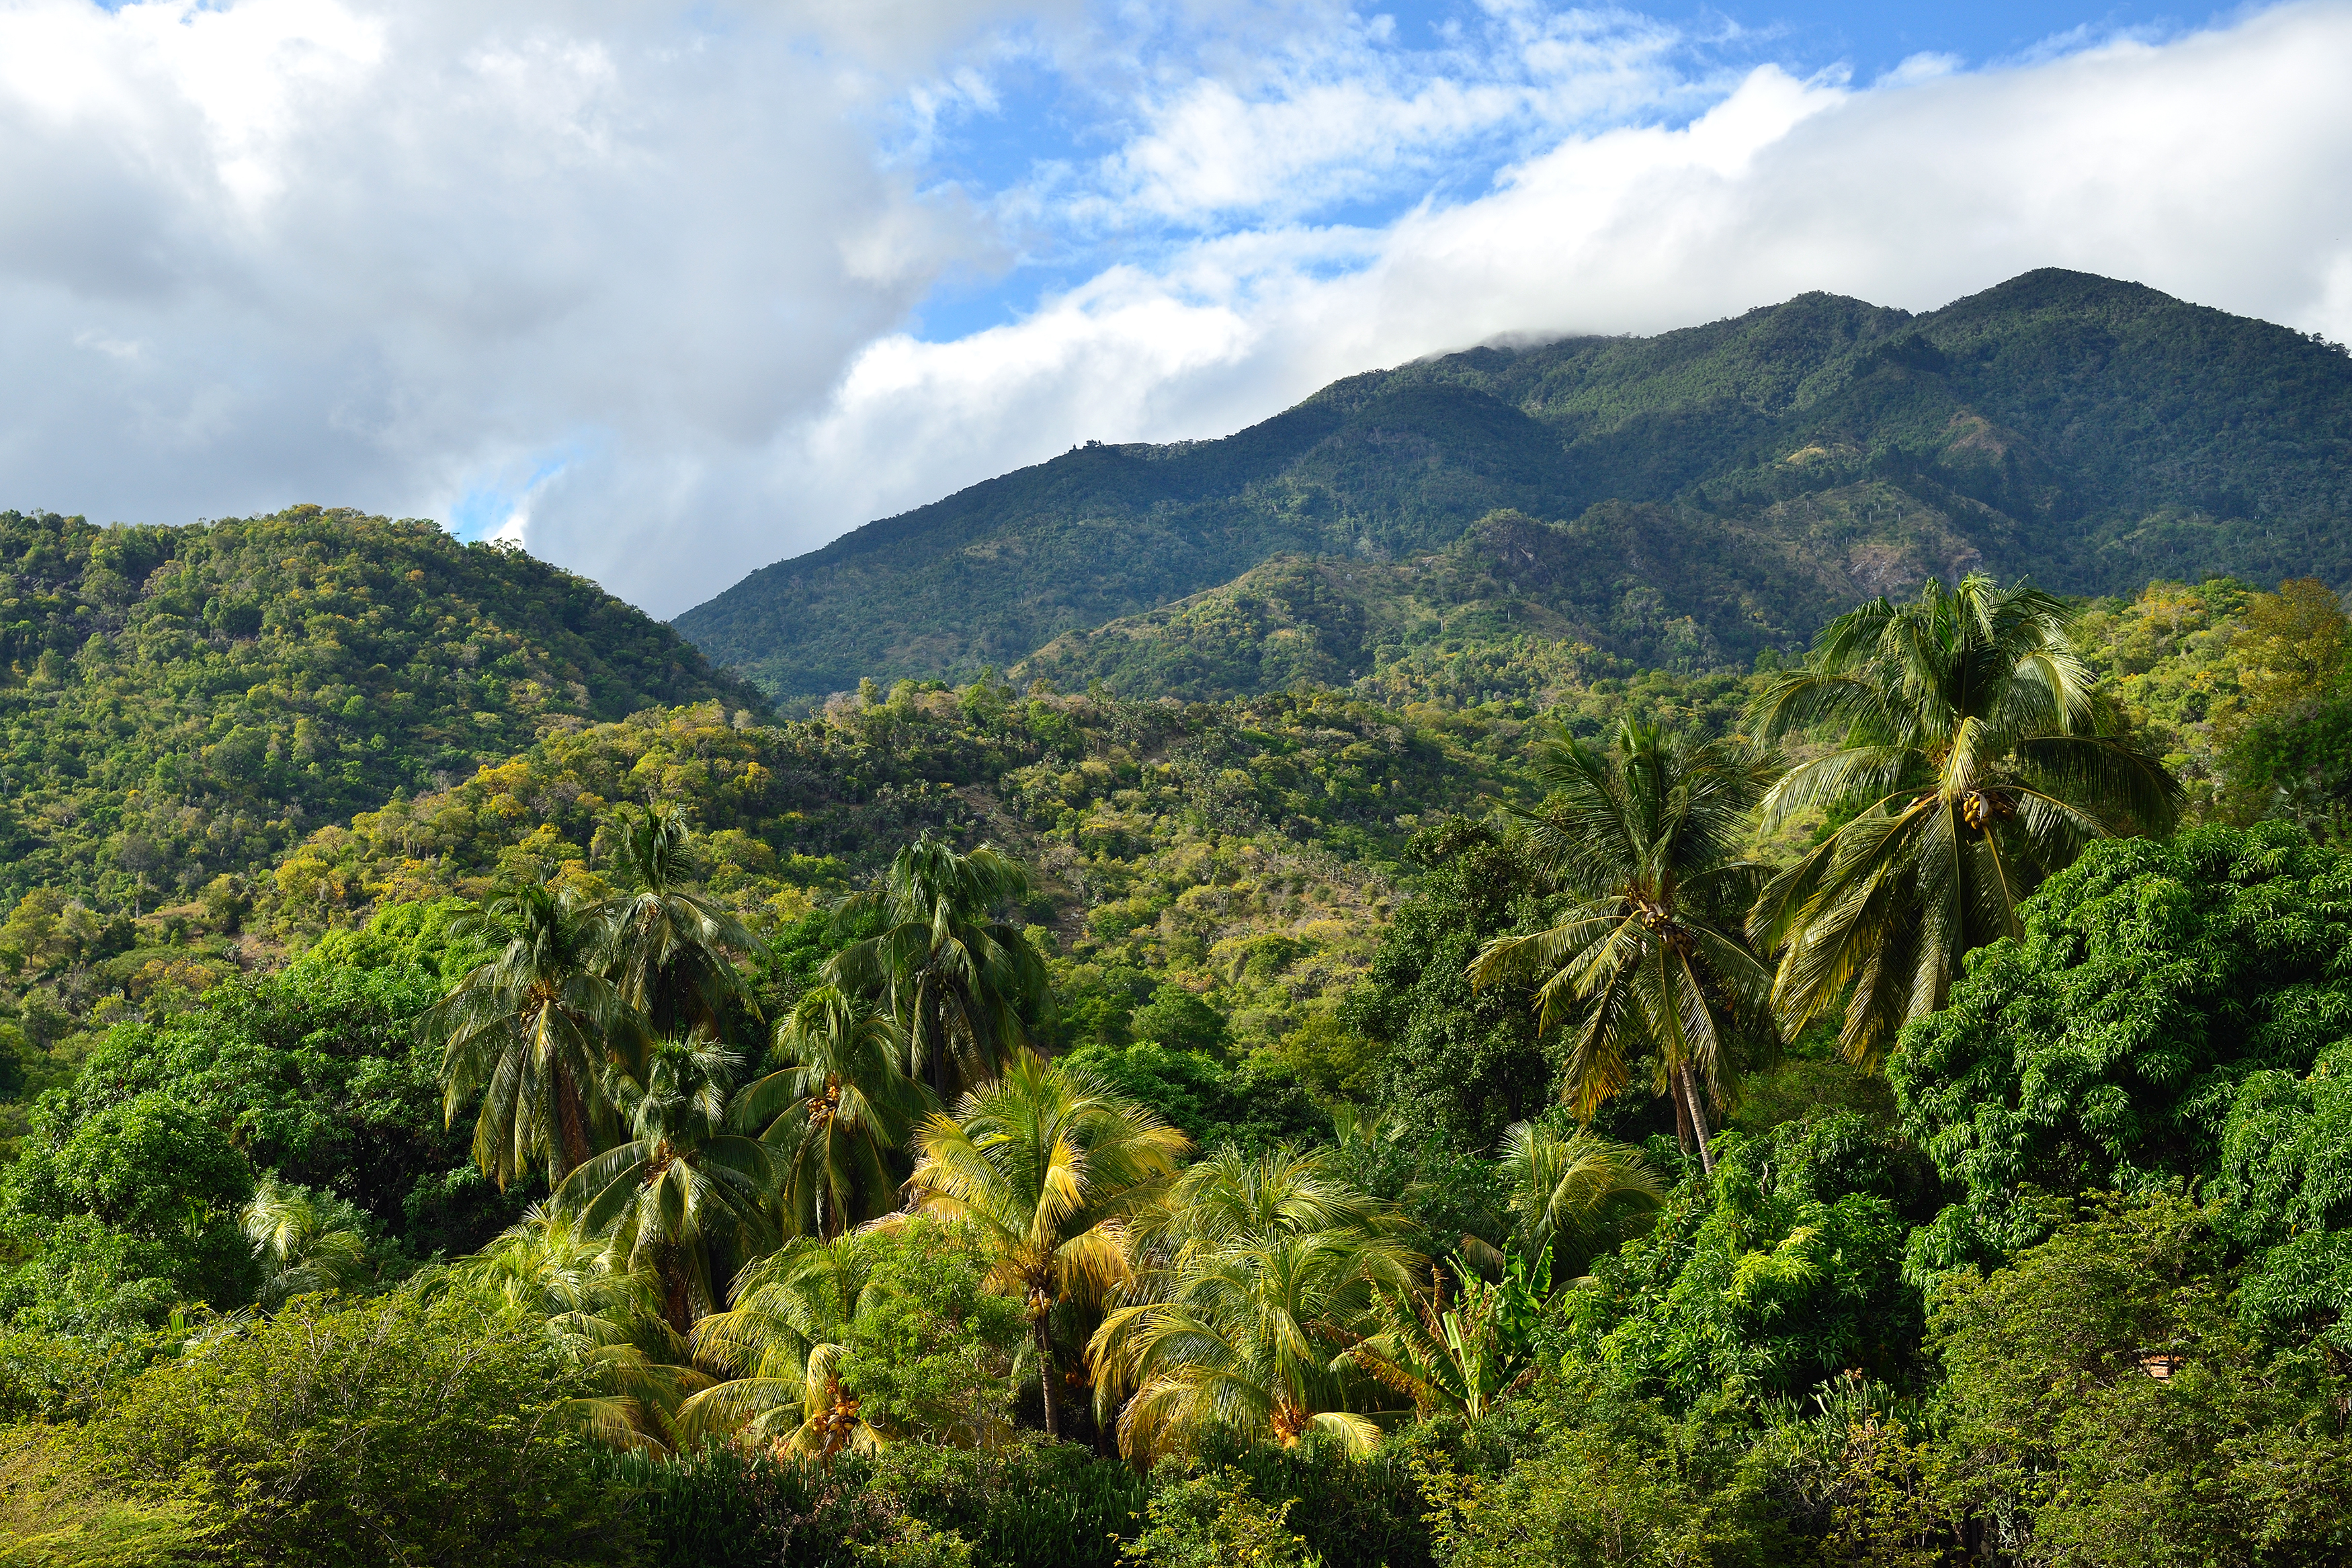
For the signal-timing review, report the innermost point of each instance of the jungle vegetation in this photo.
(995, 1125)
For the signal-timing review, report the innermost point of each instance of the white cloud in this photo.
(371, 253)
(2217, 166)
(630, 280)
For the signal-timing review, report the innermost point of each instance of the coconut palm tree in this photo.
(533, 1031)
(1050, 1166)
(550, 1266)
(779, 1346)
(681, 1185)
(1573, 1197)
(957, 979)
(303, 1240)
(1974, 756)
(1651, 953)
(834, 1116)
(1256, 1336)
(1227, 1195)
(670, 947)
(1251, 1278)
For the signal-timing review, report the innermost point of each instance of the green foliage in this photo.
(2284, 1191)
(1457, 1061)
(2105, 1407)
(1255, 1103)
(1215, 1521)
(316, 1073)
(55, 1514)
(1782, 1268)
(932, 1351)
(1730, 486)
(1589, 1476)
(125, 1213)
(2155, 987)
(1027, 1505)
(174, 703)
(51, 1378)
(1176, 1019)
(403, 1429)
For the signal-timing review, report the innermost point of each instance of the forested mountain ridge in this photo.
(2089, 433)
(179, 703)
(1515, 608)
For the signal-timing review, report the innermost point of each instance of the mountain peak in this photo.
(2091, 432)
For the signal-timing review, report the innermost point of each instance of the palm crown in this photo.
(681, 1185)
(1050, 1165)
(668, 944)
(1974, 758)
(834, 1115)
(957, 979)
(1651, 953)
(1257, 1278)
(533, 1031)
(779, 1344)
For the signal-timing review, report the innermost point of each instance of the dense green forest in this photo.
(1464, 1126)
(1722, 490)
(1484, 1103)
(183, 702)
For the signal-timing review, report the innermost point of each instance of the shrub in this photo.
(401, 1430)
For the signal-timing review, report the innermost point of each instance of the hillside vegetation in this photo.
(182, 702)
(972, 1127)
(1726, 487)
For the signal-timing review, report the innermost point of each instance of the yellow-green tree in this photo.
(1052, 1167)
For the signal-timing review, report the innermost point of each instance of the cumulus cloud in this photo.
(2217, 166)
(631, 282)
(291, 249)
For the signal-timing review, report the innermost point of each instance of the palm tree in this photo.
(1050, 1165)
(681, 1183)
(1257, 1336)
(835, 1115)
(779, 1346)
(1573, 1197)
(1252, 1278)
(550, 1265)
(1652, 951)
(1974, 758)
(670, 947)
(957, 979)
(303, 1241)
(1228, 1194)
(533, 1031)
(1464, 1356)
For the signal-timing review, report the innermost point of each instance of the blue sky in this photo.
(670, 291)
(1040, 119)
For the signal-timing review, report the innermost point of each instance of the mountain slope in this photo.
(1640, 585)
(2092, 432)
(176, 703)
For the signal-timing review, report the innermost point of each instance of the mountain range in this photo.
(1696, 498)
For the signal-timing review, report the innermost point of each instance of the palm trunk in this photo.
(571, 1121)
(677, 1294)
(1697, 1116)
(1045, 1376)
